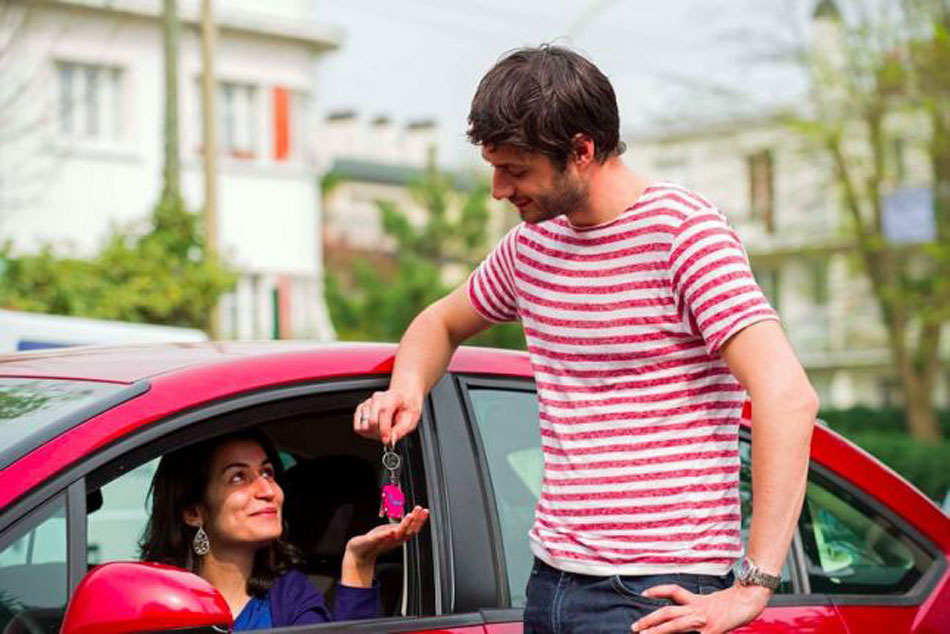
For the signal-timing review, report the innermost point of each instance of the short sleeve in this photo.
(491, 286)
(711, 280)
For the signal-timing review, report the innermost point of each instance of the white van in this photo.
(36, 331)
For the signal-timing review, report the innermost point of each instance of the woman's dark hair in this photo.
(539, 99)
(180, 483)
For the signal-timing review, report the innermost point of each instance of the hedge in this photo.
(861, 420)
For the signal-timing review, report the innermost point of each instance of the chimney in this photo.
(826, 22)
(384, 140)
(421, 140)
(342, 136)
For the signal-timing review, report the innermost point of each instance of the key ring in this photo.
(391, 459)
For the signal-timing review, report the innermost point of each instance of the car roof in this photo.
(297, 359)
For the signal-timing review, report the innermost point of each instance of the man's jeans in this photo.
(569, 603)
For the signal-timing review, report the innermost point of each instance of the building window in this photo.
(237, 120)
(818, 270)
(769, 280)
(762, 188)
(90, 100)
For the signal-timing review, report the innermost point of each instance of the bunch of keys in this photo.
(393, 504)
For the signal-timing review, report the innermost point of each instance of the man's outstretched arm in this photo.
(424, 353)
(784, 407)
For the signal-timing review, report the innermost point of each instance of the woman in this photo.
(217, 511)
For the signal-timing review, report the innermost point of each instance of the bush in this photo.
(159, 275)
(860, 420)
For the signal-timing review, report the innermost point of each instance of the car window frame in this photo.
(471, 520)
(799, 567)
(73, 499)
(466, 384)
(920, 591)
(184, 427)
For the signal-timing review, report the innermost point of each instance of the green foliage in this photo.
(377, 303)
(862, 420)
(924, 464)
(161, 276)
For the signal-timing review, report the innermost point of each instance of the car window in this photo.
(117, 515)
(28, 407)
(33, 572)
(507, 422)
(851, 548)
(745, 497)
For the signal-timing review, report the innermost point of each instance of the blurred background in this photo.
(298, 169)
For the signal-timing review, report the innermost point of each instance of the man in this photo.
(645, 329)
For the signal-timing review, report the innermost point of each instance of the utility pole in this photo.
(209, 142)
(171, 30)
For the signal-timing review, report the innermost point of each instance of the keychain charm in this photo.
(393, 500)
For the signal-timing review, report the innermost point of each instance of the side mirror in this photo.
(128, 597)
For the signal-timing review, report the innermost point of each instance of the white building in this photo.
(90, 84)
(779, 195)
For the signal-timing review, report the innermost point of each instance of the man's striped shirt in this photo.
(639, 413)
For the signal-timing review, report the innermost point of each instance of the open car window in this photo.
(331, 489)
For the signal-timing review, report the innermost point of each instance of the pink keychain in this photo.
(393, 504)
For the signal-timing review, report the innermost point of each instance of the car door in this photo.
(316, 415)
(503, 416)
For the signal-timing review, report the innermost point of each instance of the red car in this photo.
(82, 429)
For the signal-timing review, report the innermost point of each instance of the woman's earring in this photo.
(201, 544)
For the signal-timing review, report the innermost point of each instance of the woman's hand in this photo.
(359, 560)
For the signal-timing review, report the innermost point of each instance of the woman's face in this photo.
(243, 501)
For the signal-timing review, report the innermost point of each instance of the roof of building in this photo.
(306, 32)
(827, 9)
(393, 174)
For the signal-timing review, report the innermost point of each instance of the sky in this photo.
(668, 61)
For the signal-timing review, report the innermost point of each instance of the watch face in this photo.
(745, 568)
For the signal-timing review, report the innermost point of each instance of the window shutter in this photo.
(281, 124)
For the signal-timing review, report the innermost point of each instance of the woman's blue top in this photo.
(254, 616)
(293, 600)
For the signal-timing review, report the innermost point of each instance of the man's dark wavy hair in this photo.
(179, 483)
(539, 99)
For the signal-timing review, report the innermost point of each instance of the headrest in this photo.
(328, 500)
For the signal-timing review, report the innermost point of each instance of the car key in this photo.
(393, 500)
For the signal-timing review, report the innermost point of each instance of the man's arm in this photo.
(423, 355)
(784, 407)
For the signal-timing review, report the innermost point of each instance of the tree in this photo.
(879, 80)
(160, 276)
(379, 299)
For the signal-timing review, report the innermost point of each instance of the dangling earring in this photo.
(201, 544)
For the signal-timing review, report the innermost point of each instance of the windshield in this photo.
(38, 407)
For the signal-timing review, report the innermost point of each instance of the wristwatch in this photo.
(750, 575)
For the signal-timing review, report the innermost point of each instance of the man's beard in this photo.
(567, 195)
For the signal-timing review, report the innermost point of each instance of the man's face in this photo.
(533, 184)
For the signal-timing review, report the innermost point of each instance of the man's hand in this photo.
(705, 613)
(389, 415)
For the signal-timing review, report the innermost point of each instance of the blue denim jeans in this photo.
(567, 603)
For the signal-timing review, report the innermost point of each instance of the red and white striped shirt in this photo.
(639, 413)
